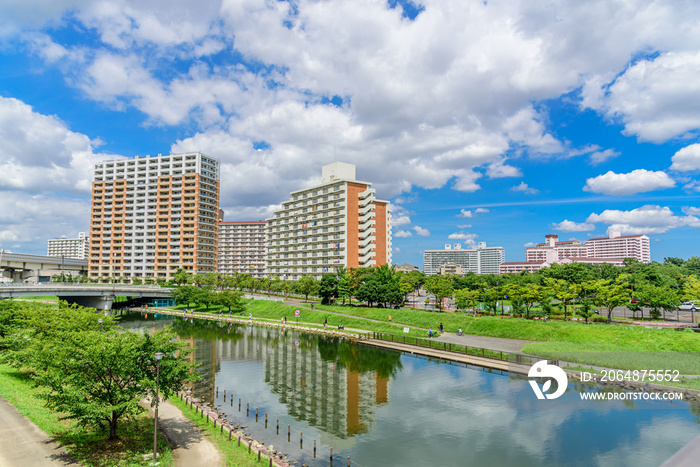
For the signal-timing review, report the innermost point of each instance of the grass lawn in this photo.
(88, 446)
(233, 454)
(40, 299)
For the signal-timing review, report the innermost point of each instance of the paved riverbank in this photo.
(23, 444)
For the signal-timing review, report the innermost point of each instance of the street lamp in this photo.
(100, 321)
(157, 356)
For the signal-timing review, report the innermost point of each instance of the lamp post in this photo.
(157, 356)
(100, 321)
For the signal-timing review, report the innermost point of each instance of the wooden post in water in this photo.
(348, 461)
(278, 426)
(217, 391)
(314, 449)
(250, 443)
(239, 404)
(331, 456)
(289, 433)
(224, 395)
(301, 440)
(266, 420)
(256, 415)
(247, 409)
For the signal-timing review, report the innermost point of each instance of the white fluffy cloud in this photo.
(403, 234)
(570, 226)
(656, 98)
(687, 159)
(407, 87)
(421, 231)
(523, 188)
(647, 219)
(637, 181)
(469, 239)
(469, 214)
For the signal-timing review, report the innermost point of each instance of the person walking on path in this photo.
(440, 328)
(430, 332)
(325, 321)
(390, 318)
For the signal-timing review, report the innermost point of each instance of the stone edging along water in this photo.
(689, 394)
(236, 430)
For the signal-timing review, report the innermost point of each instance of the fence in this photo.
(456, 348)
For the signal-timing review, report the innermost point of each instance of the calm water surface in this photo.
(383, 408)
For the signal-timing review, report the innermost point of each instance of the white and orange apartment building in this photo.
(337, 223)
(242, 247)
(153, 215)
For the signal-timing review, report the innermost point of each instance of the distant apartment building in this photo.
(479, 260)
(153, 215)
(405, 267)
(337, 223)
(63, 247)
(611, 250)
(242, 248)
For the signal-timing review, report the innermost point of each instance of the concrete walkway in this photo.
(499, 344)
(191, 447)
(23, 444)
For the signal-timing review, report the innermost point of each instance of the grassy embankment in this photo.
(88, 446)
(233, 454)
(614, 346)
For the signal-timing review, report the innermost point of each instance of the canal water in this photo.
(384, 408)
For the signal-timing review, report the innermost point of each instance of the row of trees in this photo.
(94, 373)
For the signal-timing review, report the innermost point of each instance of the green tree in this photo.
(185, 294)
(612, 294)
(441, 287)
(97, 378)
(466, 299)
(691, 290)
(328, 288)
(306, 285)
(231, 300)
(204, 296)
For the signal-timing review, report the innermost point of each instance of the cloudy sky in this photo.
(491, 121)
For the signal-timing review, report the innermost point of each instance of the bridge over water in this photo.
(98, 296)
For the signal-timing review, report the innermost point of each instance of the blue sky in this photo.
(491, 121)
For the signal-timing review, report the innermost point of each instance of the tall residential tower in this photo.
(153, 215)
(337, 223)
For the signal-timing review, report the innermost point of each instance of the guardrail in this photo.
(458, 349)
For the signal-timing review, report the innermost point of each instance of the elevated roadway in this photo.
(19, 267)
(98, 296)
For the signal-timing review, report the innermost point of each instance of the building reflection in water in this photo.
(332, 384)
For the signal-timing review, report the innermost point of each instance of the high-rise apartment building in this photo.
(153, 215)
(479, 260)
(242, 248)
(337, 223)
(63, 247)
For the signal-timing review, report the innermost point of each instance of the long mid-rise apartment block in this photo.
(153, 215)
(337, 223)
(479, 260)
(242, 248)
(613, 249)
(77, 248)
